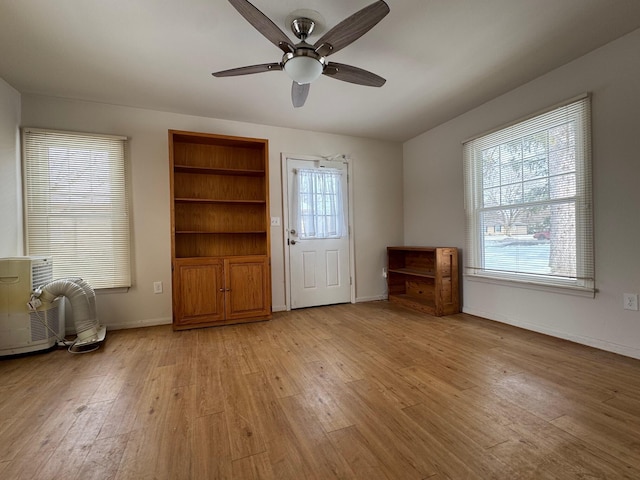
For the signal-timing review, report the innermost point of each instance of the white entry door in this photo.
(318, 233)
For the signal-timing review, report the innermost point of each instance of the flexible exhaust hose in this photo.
(82, 299)
(88, 290)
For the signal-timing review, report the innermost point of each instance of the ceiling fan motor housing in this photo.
(304, 64)
(302, 27)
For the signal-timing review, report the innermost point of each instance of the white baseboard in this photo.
(625, 350)
(152, 322)
(149, 322)
(371, 299)
(283, 308)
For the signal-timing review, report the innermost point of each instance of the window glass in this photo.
(320, 204)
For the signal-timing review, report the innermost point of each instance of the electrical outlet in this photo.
(630, 301)
(157, 287)
(384, 272)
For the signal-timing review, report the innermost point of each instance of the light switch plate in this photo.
(275, 221)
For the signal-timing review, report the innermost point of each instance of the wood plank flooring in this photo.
(368, 391)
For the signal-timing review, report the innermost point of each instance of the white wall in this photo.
(10, 183)
(434, 210)
(377, 172)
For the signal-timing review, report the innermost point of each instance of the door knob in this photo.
(293, 232)
(292, 242)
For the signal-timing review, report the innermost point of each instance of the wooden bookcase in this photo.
(220, 240)
(424, 278)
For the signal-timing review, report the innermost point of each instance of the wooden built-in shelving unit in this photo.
(220, 240)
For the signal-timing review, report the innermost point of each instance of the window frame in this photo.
(584, 281)
(37, 184)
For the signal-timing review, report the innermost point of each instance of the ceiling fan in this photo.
(303, 62)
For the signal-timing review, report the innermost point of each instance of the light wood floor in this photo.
(368, 391)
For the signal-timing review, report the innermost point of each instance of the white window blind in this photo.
(320, 208)
(528, 200)
(76, 205)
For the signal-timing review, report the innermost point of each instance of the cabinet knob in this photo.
(221, 290)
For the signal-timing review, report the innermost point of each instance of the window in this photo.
(320, 204)
(528, 200)
(76, 206)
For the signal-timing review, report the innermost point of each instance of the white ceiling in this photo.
(440, 57)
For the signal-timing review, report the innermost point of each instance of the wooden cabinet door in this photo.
(247, 284)
(198, 291)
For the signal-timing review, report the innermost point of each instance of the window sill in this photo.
(106, 291)
(560, 289)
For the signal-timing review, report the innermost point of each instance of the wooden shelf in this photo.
(416, 272)
(415, 303)
(424, 279)
(412, 249)
(221, 232)
(218, 171)
(213, 200)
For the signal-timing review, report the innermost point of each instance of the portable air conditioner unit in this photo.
(22, 330)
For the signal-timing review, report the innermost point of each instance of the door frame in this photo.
(285, 218)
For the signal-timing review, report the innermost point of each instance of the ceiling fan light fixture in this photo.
(303, 69)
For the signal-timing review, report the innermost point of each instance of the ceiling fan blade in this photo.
(348, 73)
(263, 67)
(352, 28)
(299, 93)
(263, 24)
